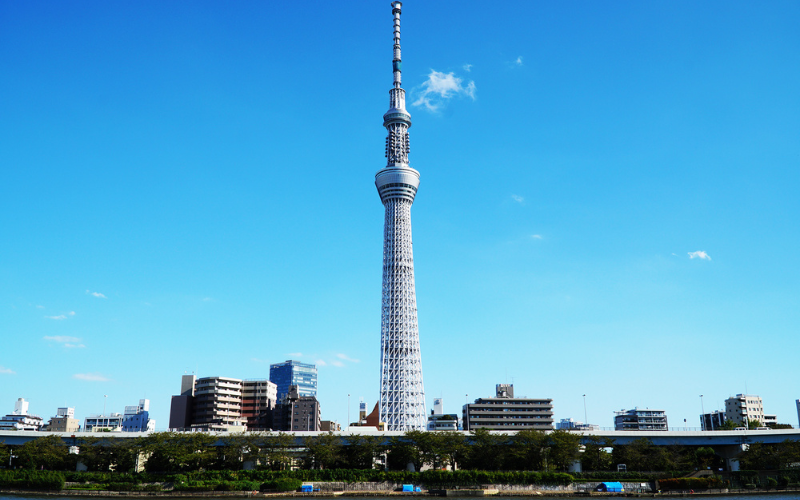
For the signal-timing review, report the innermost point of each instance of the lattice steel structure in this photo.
(402, 403)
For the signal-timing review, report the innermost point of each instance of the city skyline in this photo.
(609, 201)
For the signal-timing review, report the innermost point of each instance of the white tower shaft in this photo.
(402, 400)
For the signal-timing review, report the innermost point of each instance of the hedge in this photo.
(32, 479)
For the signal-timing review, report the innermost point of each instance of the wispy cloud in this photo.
(439, 88)
(59, 317)
(517, 61)
(320, 362)
(6, 371)
(467, 67)
(259, 360)
(700, 254)
(337, 363)
(295, 354)
(96, 294)
(536, 236)
(517, 198)
(207, 299)
(66, 341)
(345, 357)
(39, 307)
(91, 377)
(61, 339)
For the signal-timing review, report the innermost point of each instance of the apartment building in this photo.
(505, 412)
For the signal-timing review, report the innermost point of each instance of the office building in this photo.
(20, 419)
(567, 424)
(640, 420)
(743, 408)
(296, 412)
(64, 421)
(712, 421)
(111, 422)
(291, 372)
(259, 397)
(438, 420)
(505, 412)
(137, 418)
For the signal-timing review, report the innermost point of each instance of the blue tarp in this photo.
(408, 487)
(611, 487)
(306, 488)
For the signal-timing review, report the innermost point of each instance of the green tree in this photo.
(754, 424)
(322, 451)
(528, 450)
(564, 449)
(402, 452)
(48, 452)
(274, 451)
(179, 452)
(487, 451)
(361, 451)
(595, 455)
(451, 447)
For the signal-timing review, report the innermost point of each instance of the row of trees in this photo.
(480, 450)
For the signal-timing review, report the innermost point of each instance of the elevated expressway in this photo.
(727, 444)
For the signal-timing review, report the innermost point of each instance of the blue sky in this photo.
(608, 201)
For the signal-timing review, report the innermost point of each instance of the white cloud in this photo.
(59, 317)
(39, 307)
(72, 313)
(321, 362)
(96, 294)
(337, 363)
(536, 236)
(518, 61)
(295, 354)
(207, 299)
(467, 67)
(517, 198)
(700, 254)
(6, 371)
(66, 341)
(345, 357)
(440, 88)
(259, 360)
(91, 377)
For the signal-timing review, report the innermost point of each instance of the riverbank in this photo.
(459, 493)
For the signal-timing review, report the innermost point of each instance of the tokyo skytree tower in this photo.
(402, 403)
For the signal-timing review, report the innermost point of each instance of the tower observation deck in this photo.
(402, 399)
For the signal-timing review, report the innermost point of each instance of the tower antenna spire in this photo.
(402, 399)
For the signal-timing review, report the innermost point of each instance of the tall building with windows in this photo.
(402, 394)
(504, 412)
(291, 372)
(259, 397)
(640, 420)
(217, 404)
(64, 421)
(20, 419)
(743, 408)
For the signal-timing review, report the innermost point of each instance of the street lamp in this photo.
(585, 418)
(702, 415)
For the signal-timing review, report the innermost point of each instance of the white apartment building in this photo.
(744, 407)
(218, 404)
